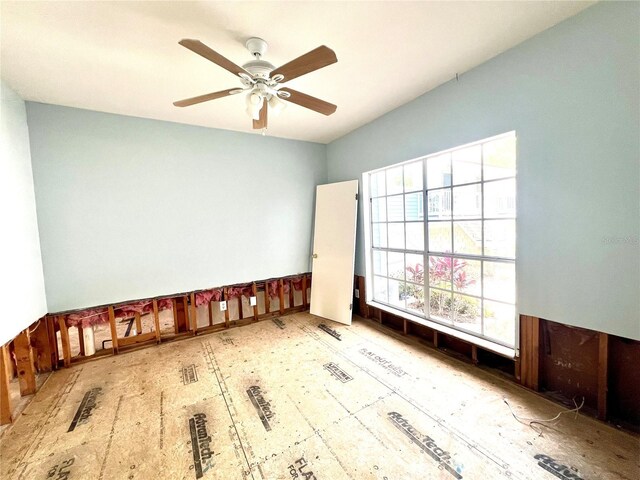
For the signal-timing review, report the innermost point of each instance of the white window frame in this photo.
(439, 325)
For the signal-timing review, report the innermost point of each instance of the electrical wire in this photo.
(34, 328)
(548, 422)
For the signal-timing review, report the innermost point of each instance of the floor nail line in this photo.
(501, 464)
(214, 362)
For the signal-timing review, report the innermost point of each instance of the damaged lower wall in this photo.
(569, 365)
(136, 208)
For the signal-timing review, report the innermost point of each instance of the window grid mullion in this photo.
(482, 239)
(425, 253)
(425, 217)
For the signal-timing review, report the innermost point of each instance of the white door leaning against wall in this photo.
(334, 246)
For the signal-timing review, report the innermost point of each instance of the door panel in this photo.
(334, 245)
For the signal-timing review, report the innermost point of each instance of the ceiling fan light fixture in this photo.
(276, 105)
(254, 104)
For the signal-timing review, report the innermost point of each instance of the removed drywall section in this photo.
(22, 293)
(134, 208)
(571, 94)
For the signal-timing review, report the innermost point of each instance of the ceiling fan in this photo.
(263, 81)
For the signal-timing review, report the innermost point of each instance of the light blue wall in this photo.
(572, 95)
(130, 208)
(22, 293)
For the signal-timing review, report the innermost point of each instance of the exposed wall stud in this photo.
(176, 327)
(24, 362)
(194, 314)
(281, 295)
(156, 320)
(603, 370)
(66, 344)
(138, 323)
(304, 291)
(184, 322)
(226, 312)
(529, 351)
(254, 292)
(42, 346)
(291, 298)
(5, 395)
(364, 308)
(267, 298)
(114, 331)
(53, 341)
(80, 340)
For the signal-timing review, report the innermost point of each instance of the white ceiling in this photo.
(124, 57)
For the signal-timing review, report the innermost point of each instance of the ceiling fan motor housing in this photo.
(258, 68)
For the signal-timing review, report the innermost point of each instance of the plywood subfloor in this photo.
(285, 399)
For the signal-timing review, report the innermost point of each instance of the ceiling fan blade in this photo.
(262, 121)
(314, 60)
(205, 98)
(309, 102)
(201, 49)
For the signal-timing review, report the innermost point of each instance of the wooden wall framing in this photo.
(561, 362)
(36, 348)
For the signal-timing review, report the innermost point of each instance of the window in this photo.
(455, 267)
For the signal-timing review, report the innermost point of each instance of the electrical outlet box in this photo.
(253, 301)
(357, 293)
(223, 305)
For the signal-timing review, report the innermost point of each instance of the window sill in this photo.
(501, 350)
